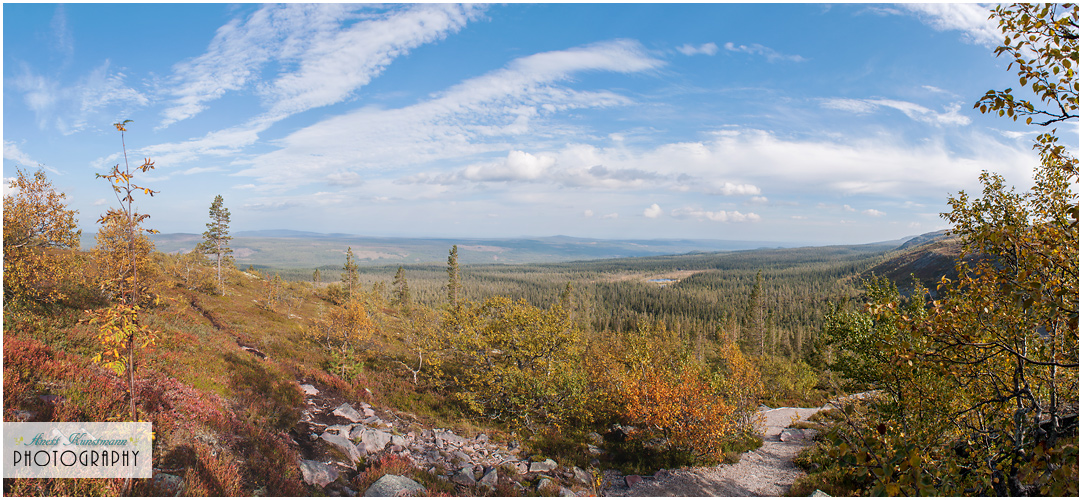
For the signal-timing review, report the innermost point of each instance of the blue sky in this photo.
(792, 122)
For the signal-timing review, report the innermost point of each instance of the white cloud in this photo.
(652, 212)
(770, 54)
(950, 116)
(613, 215)
(518, 165)
(971, 19)
(758, 200)
(706, 49)
(99, 202)
(719, 216)
(587, 213)
(13, 153)
(848, 208)
(331, 59)
(69, 108)
(873, 212)
(476, 116)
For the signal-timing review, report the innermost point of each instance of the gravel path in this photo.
(767, 471)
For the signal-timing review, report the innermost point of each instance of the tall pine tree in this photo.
(216, 238)
(454, 284)
(401, 291)
(350, 276)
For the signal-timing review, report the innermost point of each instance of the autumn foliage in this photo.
(37, 226)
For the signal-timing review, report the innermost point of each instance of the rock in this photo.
(391, 485)
(788, 435)
(545, 484)
(464, 477)
(819, 493)
(373, 440)
(462, 457)
(369, 412)
(373, 420)
(632, 480)
(22, 415)
(595, 438)
(450, 437)
(344, 445)
(545, 466)
(309, 390)
(491, 477)
(318, 473)
(399, 440)
(168, 484)
(566, 492)
(481, 438)
(662, 474)
(346, 411)
(581, 475)
(521, 467)
(341, 430)
(593, 450)
(347, 491)
(260, 492)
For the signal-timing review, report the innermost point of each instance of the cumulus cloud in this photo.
(873, 212)
(652, 212)
(719, 216)
(770, 54)
(705, 49)
(950, 116)
(587, 213)
(971, 19)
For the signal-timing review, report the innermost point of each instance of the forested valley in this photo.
(508, 380)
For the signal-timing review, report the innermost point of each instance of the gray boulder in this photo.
(788, 435)
(464, 477)
(343, 444)
(318, 473)
(309, 390)
(581, 475)
(391, 485)
(373, 440)
(450, 437)
(545, 466)
(819, 493)
(168, 484)
(346, 411)
(491, 478)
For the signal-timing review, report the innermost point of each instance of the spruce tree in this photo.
(454, 285)
(216, 237)
(349, 275)
(401, 291)
(754, 321)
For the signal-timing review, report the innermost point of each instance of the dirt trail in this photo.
(767, 471)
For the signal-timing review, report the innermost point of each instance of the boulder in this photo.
(343, 444)
(168, 484)
(546, 483)
(373, 440)
(788, 435)
(341, 430)
(391, 485)
(521, 467)
(491, 477)
(632, 480)
(547, 465)
(581, 475)
(566, 492)
(346, 411)
(450, 437)
(309, 390)
(596, 438)
(464, 477)
(462, 458)
(318, 473)
(819, 493)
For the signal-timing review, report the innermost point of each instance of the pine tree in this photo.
(401, 291)
(315, 277)
(349, 275)
(216, 237)
(754, 320)
(454, 284)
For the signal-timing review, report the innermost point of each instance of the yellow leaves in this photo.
(36, 223)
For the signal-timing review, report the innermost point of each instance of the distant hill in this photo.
(929, 257)
(301, 249)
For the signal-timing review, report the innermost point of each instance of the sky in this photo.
(815, 123)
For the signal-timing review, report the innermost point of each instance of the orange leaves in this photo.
(683, 408)
(36, 219)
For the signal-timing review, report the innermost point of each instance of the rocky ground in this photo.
(334, 435)
(767, 471)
